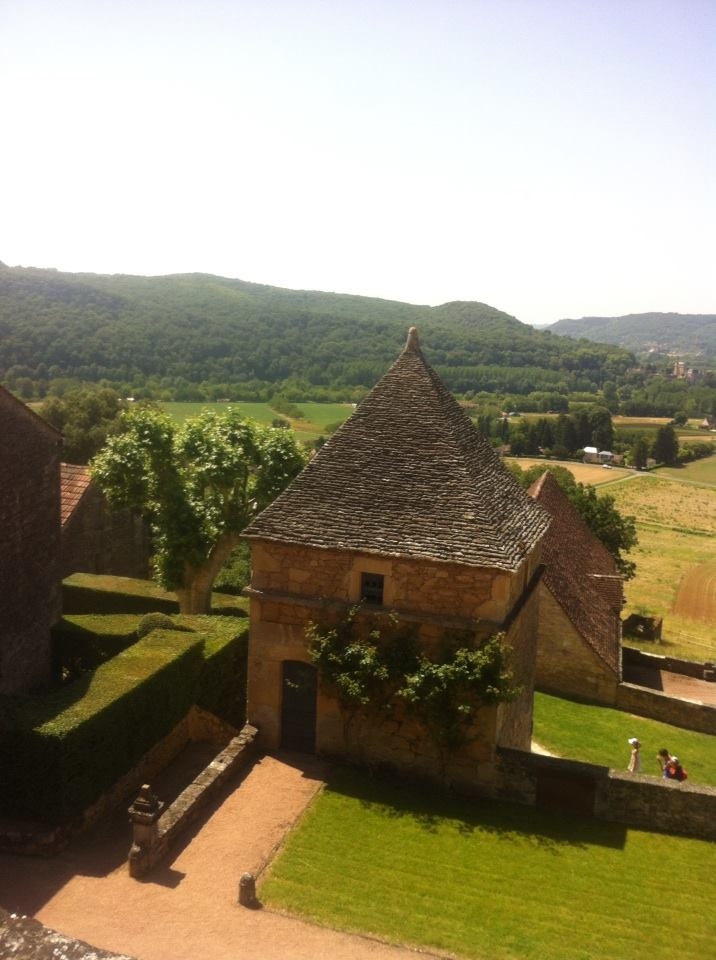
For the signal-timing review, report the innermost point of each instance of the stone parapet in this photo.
(147, 852)
(635, 800)
(689, 714)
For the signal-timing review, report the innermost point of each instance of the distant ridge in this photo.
(169, 332)
(688, 335)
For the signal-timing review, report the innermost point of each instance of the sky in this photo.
(553, 158)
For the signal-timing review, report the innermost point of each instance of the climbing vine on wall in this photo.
(372, 664)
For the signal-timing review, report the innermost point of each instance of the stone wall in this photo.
(30, 524)
(151, 845)
(98, 540)
(293, 586)
(442, 590)
(566, 664)
(638, 658)
(634, 800)
(658, 706)
(26, 939)
(514, 720)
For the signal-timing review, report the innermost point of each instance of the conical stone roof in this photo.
(408, 475)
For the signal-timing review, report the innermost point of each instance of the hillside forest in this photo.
(196, 337)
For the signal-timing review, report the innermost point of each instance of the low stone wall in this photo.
(154, 837)
(27, 939)
(633, 657)
(617, 796)
(690, 714)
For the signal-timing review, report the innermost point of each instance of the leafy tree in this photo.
(640, 453)
(86, 417)
(616, 532)
(198, 485)
(666, 445)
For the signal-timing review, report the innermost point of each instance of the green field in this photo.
(700, 471)
(676, 525)
(316, 416)
(493, 881)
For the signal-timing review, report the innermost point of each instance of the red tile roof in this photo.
(74, 482)
(580, 573)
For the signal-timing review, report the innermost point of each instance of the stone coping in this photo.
(149, 849)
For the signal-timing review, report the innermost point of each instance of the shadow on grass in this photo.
(433, 809)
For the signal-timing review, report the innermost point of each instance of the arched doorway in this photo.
(298, 706)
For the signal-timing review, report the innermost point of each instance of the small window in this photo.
(371, 587)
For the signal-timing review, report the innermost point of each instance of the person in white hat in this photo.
(634, 759)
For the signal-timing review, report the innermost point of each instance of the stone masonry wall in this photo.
(659, 706)
(421, 587)
(30, 524)
(97, 540)
(632, 799)
(566, 664)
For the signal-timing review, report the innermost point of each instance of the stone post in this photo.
(247, 891)
(143, 815)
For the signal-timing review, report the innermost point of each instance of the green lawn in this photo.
(316, 416)
(497, 881)
(699, 471)
(599, 735)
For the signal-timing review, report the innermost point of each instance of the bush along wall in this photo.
(222, 685)
(60, 752)
(64, 750)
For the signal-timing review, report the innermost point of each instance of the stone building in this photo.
(581, 598)
(30, 451)
(96, 539)
(409, 509)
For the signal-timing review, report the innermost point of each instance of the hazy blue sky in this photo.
(550, 157)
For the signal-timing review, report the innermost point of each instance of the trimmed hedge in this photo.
(60, 752)
(69, 747)
(95, 593)
(222, 685)
(83, 642)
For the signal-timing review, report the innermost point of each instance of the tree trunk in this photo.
(195, 593)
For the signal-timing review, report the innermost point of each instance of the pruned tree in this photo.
(198, 485)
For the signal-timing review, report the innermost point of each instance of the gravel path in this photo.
(186, 908)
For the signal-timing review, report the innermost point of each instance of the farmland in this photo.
(676, 554)
(316, 416)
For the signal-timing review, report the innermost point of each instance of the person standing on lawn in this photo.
(634, 759)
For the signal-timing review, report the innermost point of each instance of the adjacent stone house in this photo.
(30, 451)
(409, 509)
(581, 598)
(96, 539)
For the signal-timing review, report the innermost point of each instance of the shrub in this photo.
(155, 621)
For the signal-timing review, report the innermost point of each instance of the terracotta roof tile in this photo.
(74, 482)
(408, 475)
(580, 573)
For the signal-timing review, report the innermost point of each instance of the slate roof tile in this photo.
(408, 475)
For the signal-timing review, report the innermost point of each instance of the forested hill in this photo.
(166, 333)
(690, 335)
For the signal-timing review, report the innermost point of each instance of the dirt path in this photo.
(186, 909)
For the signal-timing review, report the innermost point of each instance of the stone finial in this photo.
(413, 343)
(147, 807)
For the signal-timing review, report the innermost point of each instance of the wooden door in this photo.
(298, 707)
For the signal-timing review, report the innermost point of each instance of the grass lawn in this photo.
(497, 881)
(699, 471)
(599, 735)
